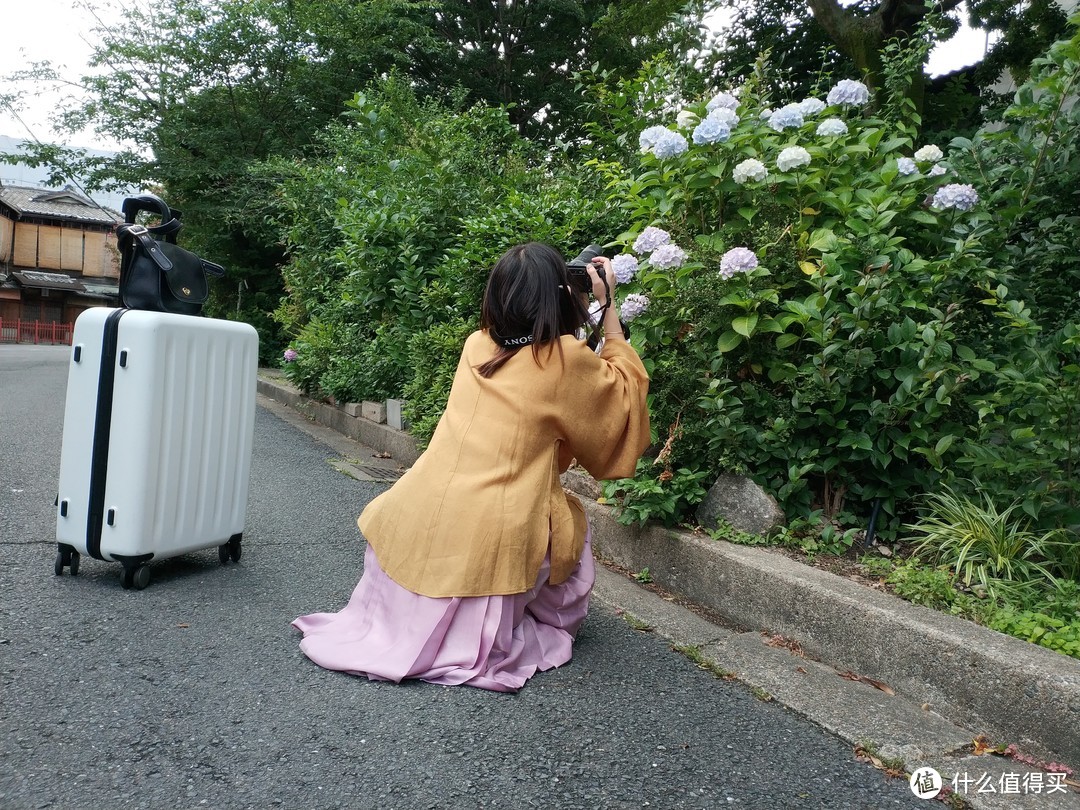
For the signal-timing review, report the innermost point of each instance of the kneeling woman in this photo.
(478, 568)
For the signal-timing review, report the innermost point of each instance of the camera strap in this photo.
(512, 342)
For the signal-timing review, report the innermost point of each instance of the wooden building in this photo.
(58, 255)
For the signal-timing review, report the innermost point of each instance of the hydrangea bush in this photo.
(817, 331)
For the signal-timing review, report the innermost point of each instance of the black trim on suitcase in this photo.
(99, 462)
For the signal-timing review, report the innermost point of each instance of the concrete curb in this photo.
(979, 679)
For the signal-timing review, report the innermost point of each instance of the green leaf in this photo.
(748, 214)
(745, 325)
(822, 240)
(728, 341)
(783, 341)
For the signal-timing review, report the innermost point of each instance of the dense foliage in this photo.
(904, 319)
(392, 227)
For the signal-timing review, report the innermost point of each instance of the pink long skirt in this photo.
(492, 642)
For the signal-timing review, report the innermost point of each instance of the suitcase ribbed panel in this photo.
(182, 426)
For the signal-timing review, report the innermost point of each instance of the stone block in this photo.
(352, 408)
(394, 415)
(375, 411)
(742, 504)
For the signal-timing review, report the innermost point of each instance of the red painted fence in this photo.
(19, 331)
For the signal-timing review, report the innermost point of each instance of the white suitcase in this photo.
(158, 426)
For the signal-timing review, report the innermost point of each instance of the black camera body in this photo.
(577, 270)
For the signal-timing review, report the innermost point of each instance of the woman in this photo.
(478, 568)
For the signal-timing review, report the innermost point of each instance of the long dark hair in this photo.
(528, 295)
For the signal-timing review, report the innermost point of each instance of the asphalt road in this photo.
(194, 693)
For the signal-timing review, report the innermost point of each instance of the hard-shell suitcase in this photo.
(158, 427)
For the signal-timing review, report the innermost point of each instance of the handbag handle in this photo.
(170, 218)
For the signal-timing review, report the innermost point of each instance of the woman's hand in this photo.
(612, 327)
(598, 290)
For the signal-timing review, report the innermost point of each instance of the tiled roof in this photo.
(66, 204)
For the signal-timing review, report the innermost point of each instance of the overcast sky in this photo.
(53, 30)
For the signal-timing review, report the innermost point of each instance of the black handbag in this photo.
(156, 274)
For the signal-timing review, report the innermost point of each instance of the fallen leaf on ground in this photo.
(183, 625)
(981, 745)
(851, 676)
(789, 644)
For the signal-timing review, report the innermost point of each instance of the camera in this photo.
(577, 270)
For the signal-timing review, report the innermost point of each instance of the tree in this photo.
(800, 51)
(1027, 31)
(862, 31)
(202, 90)
(523, 53)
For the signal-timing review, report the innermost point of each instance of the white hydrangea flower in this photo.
(936, 170)
(667, 257)
(960, 196)
(686, 119)
(832, 126)
(849, 93)
(625, 266)
(669, 144)
(725, 116)
(650, 239)
(766, 113)
(906, 166)
(633, 306)
(737, 260)
(648, 136)
(750, 169)
(929, 154)
(793, 157)
(722, 100)
(811, 106)
(787, 116)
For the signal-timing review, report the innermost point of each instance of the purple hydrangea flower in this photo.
(669, 144)
(906, 166)
(737, 260)
(633, 306)
(625, 266)
(960, 196)
(787, 116)
(832, 126)
(667, 257)
(650, 239)
(711, 130)
(849, 93)
(290, 355)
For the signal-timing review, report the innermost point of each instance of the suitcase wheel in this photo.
(137, 577)
(66, 557)
(230, 551)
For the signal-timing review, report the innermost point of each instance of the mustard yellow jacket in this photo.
(472, 516)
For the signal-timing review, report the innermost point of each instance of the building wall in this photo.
(7, 231)
(69, 248)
